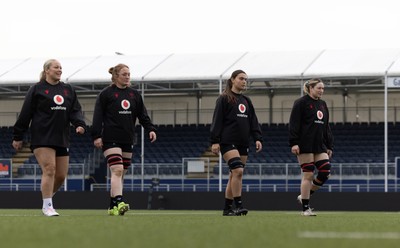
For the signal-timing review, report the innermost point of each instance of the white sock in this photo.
(47, 203)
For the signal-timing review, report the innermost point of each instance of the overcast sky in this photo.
(70, 28)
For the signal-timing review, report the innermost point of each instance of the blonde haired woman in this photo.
(311, 140)
(50, 106)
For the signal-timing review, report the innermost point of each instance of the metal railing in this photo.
(29, 178)
(277, 177)
(356, 177)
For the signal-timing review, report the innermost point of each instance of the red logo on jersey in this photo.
(242, 108)
(46, 92)
(125, 104)
(66, 92)
(58, 99)
(320, 115)
(311, 106)
(116, 95)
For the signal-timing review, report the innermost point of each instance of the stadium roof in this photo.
(278, 70)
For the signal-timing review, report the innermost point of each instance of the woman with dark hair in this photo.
(117, 108)
(311, 140)
(49, 107)
(234, 121)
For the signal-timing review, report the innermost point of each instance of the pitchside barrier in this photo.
(27, 177)
(201, 175)
(194, 176)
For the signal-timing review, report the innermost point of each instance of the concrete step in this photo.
(16, 160)
(197, 175)
(21, 156)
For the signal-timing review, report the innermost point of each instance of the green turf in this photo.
(191, 229)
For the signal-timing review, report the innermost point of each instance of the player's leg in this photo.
(126, 162)
(236, 167)
(323, 166)
(228, 207)
(307, 167)
(62, 165)
(46, 158)
(114, 162)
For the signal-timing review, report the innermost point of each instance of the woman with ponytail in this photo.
(49, 108)
(311, 140)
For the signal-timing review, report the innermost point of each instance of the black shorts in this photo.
(243, 150)
(60, 151)
(124, 147)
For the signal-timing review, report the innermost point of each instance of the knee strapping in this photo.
(114, 159)
(324, 171)
(126, 162)
(307, 167)
(235, 163)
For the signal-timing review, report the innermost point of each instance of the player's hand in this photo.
(17, 145)
(152, 136)
(215, 148)
(296, 150)
(80, 130)
(258, 146)
(98, 143)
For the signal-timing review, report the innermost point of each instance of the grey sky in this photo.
(69, 28)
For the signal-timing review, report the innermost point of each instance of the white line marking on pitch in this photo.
(350, 235)
(169, 213)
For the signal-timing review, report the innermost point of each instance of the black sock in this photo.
(228, 203)
(112, 202)
(306, 204)
(238, 201)
(118, 199)
(312, 192)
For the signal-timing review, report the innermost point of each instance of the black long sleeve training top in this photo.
(49, 109)
(234, 123)
(309, 126)
(115, 115)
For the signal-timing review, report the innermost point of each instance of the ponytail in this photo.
(228, 88)
(46, 66)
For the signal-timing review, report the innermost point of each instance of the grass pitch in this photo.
(191, 229)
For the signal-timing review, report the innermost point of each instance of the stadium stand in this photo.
(356, 144)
